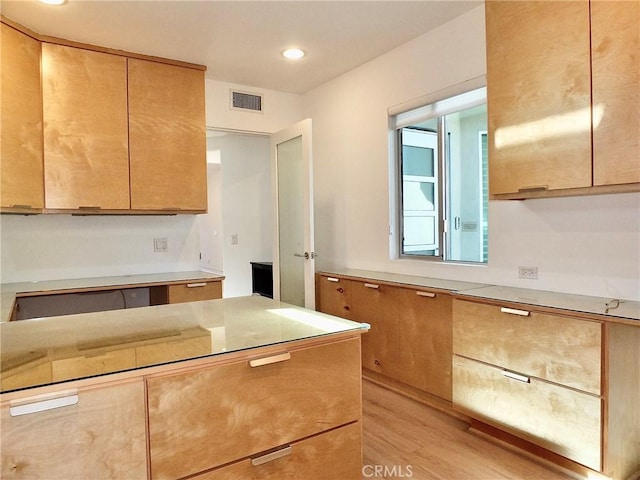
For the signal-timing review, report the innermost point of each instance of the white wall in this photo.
(45, 247)
(246, 205)
(586, 245)
(279, 109)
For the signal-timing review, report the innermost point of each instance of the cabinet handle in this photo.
(194, 285)
(43, 405)
(514, 311)
(258, 362)
(89, 207)
(19, 206)
(269, 457)
(426, 294)
(535, 188)
(516, 376)
(332, 279)
(371, 285)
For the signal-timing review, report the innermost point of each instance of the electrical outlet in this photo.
(234, 239)
(528, 273)
(160, 245)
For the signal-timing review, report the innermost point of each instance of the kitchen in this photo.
(583, 245)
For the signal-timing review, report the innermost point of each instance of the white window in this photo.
(439, 201)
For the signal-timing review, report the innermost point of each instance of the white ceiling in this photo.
(241, 41)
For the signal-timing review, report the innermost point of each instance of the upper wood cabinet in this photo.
(86, 159)
(21, 132)
(538, 94)
(555, 77)
(93, 130)
(167, 137)
(615, 38)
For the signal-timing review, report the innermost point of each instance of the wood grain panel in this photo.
(167, 137)
(334, 298)
(329, 456)
(379, 308)
(426, 349)
(21, 169)
(622, 457)
(193, 292)
(616, 90)
(560, 419)
(559, 349)
(205, 418)
(86, 160)
(101, 437)
(538, 95)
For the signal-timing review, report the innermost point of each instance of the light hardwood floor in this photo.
(405, 439)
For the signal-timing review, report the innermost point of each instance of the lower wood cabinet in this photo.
(410, 336)
(193, 292)
(211, 416)
(96, 433)
(328, 456)
(559, 380)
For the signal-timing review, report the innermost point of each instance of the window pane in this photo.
(465, 187)
(417, 161)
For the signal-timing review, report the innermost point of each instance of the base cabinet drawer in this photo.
(194, 292)
(556, 348)
(205, 418)
(557, 418)
(329, 456)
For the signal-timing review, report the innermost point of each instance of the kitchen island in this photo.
(233, 388)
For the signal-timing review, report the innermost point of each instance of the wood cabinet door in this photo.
(377, 305)
(538, 95)
(616, 91)
(334, 296)
(426, 341)
(102, 436)
(21, 171)
(86, 161)
(215, 415)
(167, 137)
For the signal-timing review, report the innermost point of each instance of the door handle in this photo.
(304, 255)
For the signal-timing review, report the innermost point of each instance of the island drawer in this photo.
(332, 455)
(204, 418)
(556, 348)
(557, 418)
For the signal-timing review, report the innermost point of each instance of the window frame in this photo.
(429, 106)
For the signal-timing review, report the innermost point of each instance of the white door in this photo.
(293, 249)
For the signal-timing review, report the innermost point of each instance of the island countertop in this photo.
(47, 351)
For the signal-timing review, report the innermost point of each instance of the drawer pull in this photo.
(43, 405)
(516, 376)
(426, 294)
(332, 279)
(269, 457)
(258, 362)
(514, 311)
(371, 285)
(194, 285)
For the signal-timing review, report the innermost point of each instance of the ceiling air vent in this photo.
(246, 101)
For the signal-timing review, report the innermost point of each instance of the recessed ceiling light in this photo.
(53, 2)
(293, 53)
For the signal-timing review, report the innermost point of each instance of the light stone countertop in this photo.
(9, 291)
(627, 311)
(151, 336)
